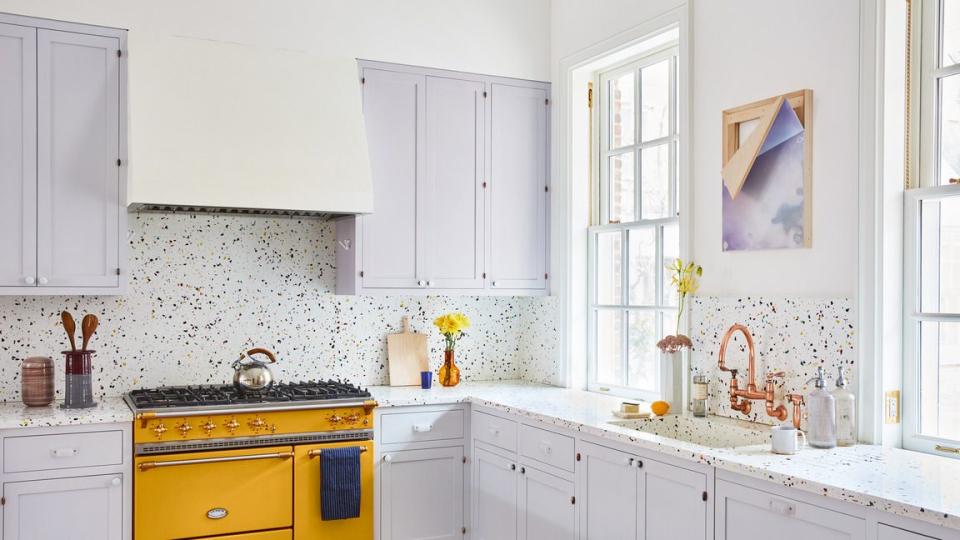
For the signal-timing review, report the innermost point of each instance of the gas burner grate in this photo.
(204, 395)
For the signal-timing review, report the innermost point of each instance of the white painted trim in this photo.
(563, 231)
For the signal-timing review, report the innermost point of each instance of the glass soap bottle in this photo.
(698, 403)
(846, 404)
(821, 414)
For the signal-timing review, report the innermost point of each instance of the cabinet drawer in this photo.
(547, 447)
(62, 451)
(421, 426)
(495, 430)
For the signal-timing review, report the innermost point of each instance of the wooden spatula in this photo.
(71, 327)
(406, 356)
(88, 325)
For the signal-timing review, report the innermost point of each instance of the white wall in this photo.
(231, 95)
(745, 50)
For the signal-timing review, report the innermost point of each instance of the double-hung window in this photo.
(636, 224)
(931, 374)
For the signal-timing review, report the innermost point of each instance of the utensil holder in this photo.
(78, 388)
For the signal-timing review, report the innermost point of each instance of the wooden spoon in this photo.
(88, 326)
(71, 327)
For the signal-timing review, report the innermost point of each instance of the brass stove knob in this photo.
(208, 427)
(353, 418)
(273, 428)
(184, 428)
(160, 429)
(231, 425)
(335, 418)
(257, 424)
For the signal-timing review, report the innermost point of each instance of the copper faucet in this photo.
(740, 400)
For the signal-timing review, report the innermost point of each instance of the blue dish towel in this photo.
(340, 483)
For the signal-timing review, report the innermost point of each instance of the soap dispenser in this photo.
(821, 414)
(846, 404)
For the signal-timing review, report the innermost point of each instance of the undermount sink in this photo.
(712, 431)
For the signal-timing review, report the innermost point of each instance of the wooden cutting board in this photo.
(406, 356)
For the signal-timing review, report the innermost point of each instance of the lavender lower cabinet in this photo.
(742, 511)
(80, 508)
(421, 494)
(672, 502)
(547, 506)
(608, 493)
(495, 496)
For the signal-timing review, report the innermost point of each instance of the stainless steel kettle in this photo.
(253, 375)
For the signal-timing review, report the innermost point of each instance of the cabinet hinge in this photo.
(573, 499)
(118, 271)
(464, 459)
(546, 101)
(484, 185)
(363, 80)
(704, 495)
(119, 162)
(119, 53)
(3, 501)
(546, 276)
(361, 273)
(578, 456)
(484, 276)
(463, 530)
(589, 95)
(484, 93)
(546, 189)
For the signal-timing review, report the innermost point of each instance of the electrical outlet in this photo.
(891, 407)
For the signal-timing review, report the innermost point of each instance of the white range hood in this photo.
(217, 126)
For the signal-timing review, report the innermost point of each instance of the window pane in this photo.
(940, 379)
(623, 193)
(940, 256)
(609, 271)
(950, 52)
(644, 372)
(655, 101)
(642, 265)
(655, 182)
(622, 94)
(671, 250)
(610, 347)
(949, 129)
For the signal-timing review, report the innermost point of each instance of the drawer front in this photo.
(494, 430)
(547, 447)
(213, 493)
(421, 426)
(62, 451)
(284, 534)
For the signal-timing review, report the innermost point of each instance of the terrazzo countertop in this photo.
(910, 484)
(108, 410)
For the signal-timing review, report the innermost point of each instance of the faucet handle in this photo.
(776, 375)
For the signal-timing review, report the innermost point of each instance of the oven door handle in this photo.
(147, 465)
(319, 451)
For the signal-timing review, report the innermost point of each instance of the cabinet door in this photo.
(608, 493)
(393, 110)
(517, 189)
(453, 214)
(78, 177)
(84, 508)
(495, 496)
(672, 503)
(886, 532)
(742, 511)
(546, 506)
(18, 156)
(421, 494)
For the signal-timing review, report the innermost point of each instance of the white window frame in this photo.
(602, 222)
(930, 74)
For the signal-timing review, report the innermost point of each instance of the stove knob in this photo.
(231, 425)
(335, 418)
(184, 428)
(257, 424)
(160, 429)
(353, 418)
(208, 427)
(273, 428)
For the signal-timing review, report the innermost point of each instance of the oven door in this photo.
(307, 523)
(212, 493)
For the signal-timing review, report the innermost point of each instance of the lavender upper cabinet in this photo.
(459, 176)
(61, 149)
(18, 156)
(518, 187)
(453, 187)
(393, 105)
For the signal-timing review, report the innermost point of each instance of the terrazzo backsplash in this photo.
(791, 335)
(204, 288)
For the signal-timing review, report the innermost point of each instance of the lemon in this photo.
(660, 408)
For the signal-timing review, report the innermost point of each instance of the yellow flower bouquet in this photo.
(683, 278)
(451, 326)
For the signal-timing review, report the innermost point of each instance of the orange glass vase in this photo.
(449, 372)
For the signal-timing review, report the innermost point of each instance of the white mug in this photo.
(787, 439)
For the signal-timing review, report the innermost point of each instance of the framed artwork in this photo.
(767, 182)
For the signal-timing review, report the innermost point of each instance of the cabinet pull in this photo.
(64, 452)
(782, 507)
(422, 428)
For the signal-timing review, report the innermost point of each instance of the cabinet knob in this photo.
(513, 466)
(388, 458)
(42, 280)
(28, 280)
(430, 283)
(421, 283)
(629, 462)
(493, 283)
(116, 481)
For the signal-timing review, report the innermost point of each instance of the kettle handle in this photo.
(265, 352)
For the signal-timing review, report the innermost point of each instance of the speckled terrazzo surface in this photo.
(108, 410)
(203, 288)
(910, 484)
(791, 335)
